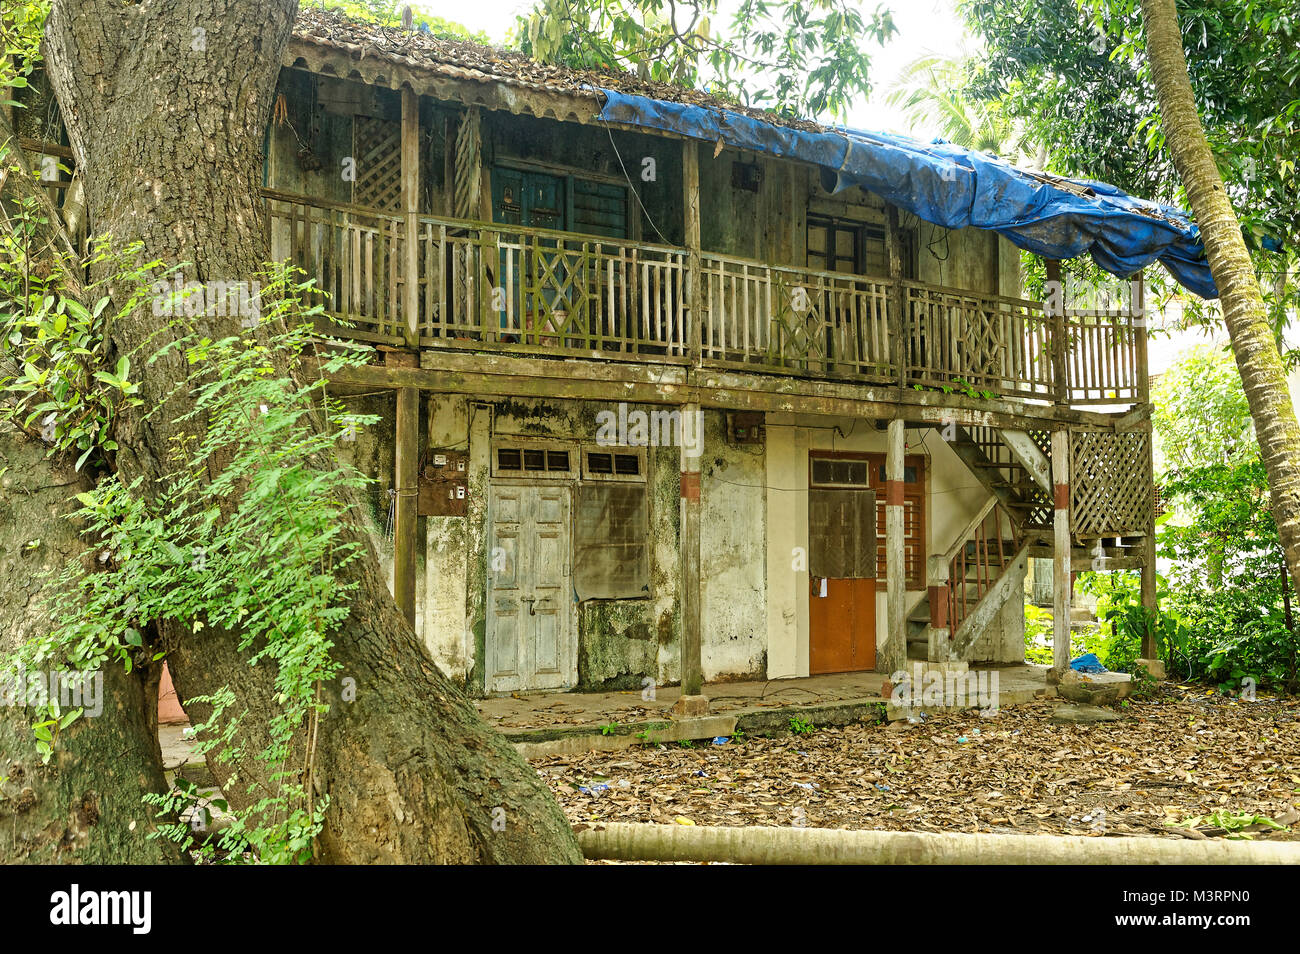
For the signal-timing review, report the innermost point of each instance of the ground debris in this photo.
(1174, 757)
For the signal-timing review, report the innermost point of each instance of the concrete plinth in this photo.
(690, 707)
(1154, 667)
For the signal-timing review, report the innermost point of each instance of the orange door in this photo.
(842, 571)
(842, 626)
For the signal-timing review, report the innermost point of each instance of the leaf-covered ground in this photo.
(1178, 756)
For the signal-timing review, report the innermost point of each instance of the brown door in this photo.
(842, 626)
(842, 572)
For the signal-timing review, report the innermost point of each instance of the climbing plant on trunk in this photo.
(1245, 313)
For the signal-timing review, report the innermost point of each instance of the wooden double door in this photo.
(531, 637)
(842, 580)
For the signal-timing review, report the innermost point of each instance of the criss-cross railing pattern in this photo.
(511, 288)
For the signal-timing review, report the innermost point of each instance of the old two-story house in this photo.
(673, 391)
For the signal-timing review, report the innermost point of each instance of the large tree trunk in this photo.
(166, 106)
(86, 805)
(1244, 311)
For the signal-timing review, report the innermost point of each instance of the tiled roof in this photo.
(421, 52)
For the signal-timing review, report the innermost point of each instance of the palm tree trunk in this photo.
(1244, 311)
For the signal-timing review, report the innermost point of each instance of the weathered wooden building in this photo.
(668, 410)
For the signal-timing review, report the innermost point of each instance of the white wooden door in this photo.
(531, 640)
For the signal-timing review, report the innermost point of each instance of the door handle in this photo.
(532, 610)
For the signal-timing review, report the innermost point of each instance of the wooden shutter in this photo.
(611, 553)
(842, 534)
(599, 208)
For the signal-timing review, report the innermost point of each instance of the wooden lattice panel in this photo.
(1111, 490)
(469, 158)
(1044, 510)
(377, 149)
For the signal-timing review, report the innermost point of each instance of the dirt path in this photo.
(1181, 755)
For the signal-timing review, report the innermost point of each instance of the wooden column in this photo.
(1060, 378)
(411, 207)
(406, 485)
(893, 656)
(692, 701)
(691, 207)
(1140, 331)
(897, 316)
(1062, 585)
(1141, 326)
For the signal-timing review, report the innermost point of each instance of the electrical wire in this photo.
(635, 192)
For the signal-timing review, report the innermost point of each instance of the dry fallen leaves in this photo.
(1177, 756)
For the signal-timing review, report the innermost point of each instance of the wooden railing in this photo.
(781, 319)
(971, 566)
(550, 291)
(1102, 358)
(511, 288)
(977, 343)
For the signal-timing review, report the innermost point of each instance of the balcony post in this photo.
(897, 319)
(406, 489)
(1060, 382)
(1062, 581)
(1138, 310)
(691, 207)
(893, 655)
(692, 701)
(411, 207)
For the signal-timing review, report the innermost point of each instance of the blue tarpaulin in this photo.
(954, 187)
(1088, 663)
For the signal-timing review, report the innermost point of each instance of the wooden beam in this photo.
(507, 375)
(1140, 333)
(1062, 582)
(893, 655)
(411, 206)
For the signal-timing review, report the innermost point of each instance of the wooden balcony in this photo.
(507, 289)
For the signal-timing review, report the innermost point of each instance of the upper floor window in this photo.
(561, 203)
(855, 248)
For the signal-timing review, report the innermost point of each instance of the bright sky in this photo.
(924, 27)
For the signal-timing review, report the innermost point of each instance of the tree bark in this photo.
(166, 107)
(86, 806)
(1244, 312)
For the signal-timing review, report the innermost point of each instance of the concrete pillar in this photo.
(893, 655)
(692, 701)
(1062, 586)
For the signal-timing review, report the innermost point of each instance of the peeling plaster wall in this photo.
(442, 609)
(733, 572)
(620, 642)
(372, 452)
(952, 497)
